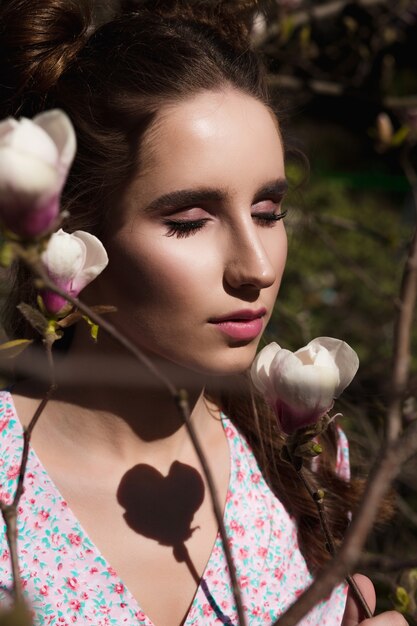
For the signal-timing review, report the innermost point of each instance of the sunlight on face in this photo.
(198, 255)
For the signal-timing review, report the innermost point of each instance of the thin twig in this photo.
(331, 88)
(105, 325)
(27, 432)
(318, 499)
(10, 519)
(387, 564)
(395, 450)
(9, 511)
(299, 17)
(404, 324)
(406, 509)
(382, 474)
(182, 403)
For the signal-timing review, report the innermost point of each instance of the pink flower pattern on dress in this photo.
(67, 580)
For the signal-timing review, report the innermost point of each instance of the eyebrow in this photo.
(188, 197)
(276, 188)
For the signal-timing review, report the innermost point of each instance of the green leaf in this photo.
(70, 319)
(305, 35)
(412, 576)
(41, 305)
(309, 449)
(94, 331)
(402, 599)
(286, 28)
(35, 318)
(52, 333)
(94, 328)
(12, 349)
(400, 136)
(75, 316)
(6, 254)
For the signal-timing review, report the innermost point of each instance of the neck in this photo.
(112, 406)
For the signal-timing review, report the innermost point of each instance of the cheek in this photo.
(157, 271)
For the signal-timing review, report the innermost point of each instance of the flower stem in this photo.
(180, 399)
(37, 268)
(182, 403)
(10, 516)
(9, 511)
(318, 498)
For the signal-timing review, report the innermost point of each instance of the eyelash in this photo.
(185, 228)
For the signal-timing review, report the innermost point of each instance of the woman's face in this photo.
(198, 252)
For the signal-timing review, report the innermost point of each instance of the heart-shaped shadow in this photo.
(162, 507)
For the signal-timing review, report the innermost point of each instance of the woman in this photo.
(180, 172)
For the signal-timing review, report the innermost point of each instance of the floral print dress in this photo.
(67, 580)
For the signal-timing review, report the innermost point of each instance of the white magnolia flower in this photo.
(301, 386)
(72, 261)
(35, 156)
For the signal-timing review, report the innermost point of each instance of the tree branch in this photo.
(395, 451)
(9, 511)
(330, 88)
(179, 397)
(383, 473)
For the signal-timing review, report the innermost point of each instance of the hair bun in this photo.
(39, 39)
(233, 19)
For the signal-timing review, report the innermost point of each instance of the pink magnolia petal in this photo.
(301, 386)
(7, 126)
(34, 160)
(23, 179)
(29, 224)
(96, 260)
(72, 261)
(304, 387)
(53, 302)
(261, 366)
(28, 138)
(291, 421)
(58, 126)
(29, 203)
(344, 357)
(64, 258)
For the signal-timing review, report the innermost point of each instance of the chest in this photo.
(155, 530)
(71, 581)
(158, 547)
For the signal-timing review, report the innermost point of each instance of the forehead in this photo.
(222, 138)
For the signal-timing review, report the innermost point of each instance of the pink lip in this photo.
(238, 316)
(243, 325)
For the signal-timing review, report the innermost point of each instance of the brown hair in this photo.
(112, 82)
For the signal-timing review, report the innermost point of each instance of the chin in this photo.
(206, 363)
(236, 361)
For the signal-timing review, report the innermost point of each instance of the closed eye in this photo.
(184, 228)
(269, 219)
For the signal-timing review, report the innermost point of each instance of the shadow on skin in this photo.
(162, 507)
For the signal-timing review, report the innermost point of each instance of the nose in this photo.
(248, 264)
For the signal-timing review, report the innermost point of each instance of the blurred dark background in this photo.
(343, 76)
(344, 82)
